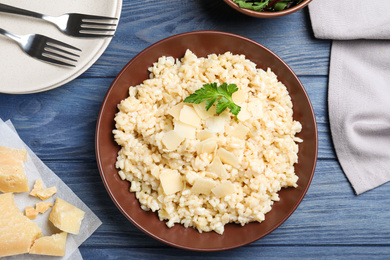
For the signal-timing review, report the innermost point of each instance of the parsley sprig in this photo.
(267, 5)
(212, 93)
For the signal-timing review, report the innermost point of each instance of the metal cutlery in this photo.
(73, 24)
(45, 48)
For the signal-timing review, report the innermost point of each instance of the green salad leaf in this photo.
(212, 93)
(267, 5)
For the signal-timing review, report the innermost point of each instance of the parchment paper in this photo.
(36, 169)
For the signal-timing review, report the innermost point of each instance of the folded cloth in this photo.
(359, 86)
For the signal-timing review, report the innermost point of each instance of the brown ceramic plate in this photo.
(265, 14)
(135, 72)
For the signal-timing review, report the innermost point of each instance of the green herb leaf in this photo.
(211, 93)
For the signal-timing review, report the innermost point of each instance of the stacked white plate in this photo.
(21, 74)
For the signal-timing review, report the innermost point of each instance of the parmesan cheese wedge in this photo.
(47, 193)
(17, 232)
(203, 186)
(216, 124)
(223, 189)
(200, 109)
(171, 182)
(186, 131)
(51, 245)
(66, 217)
(172, 140)
(189, 116)
(240, 132)
(228, 157)
(175, 111)
(217, 167)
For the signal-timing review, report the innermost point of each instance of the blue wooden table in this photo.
(59, 126)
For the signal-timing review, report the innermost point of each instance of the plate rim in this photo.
(78, 72)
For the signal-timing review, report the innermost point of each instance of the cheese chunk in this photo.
(12, 175)
(172, 140)
(206, 146)
(17, 232)
(216, 124)
(42, 207)
(228, 157)
(238, 97)
(256, 109)
(51, 245)
(200, 109)
(37, 187)
(217, 167)
(13, 178)
(244, 113)
(66, 217)
(189, 116)
(47, 193)
(205, 134)
(175, 111)
(171, 182)
(203, 186)
(19, 154)
(223, 189)
(186, 131)
(30, 212)
(240, 132)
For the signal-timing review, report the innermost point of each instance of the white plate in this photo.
(19, 73)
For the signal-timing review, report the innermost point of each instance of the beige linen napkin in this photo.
(359, 85)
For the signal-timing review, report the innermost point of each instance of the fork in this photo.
(44, 48)
(73, 24)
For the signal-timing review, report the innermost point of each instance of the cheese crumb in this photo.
(31, 213)
(47, 193)
(42, 207)
(37, 187)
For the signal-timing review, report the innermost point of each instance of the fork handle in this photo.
(10, 35)
(14, 10)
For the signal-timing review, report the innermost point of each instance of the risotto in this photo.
(199, 168)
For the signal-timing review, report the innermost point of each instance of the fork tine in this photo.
(94, 35)
(61, 50)
(98, 24)
(58, 62)
(57, 55)
(52, 41)
(96, 17)
(91, 29)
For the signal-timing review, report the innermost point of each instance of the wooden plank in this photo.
(60, 124)
(144, 23)
(329, 214)
(298, 252)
